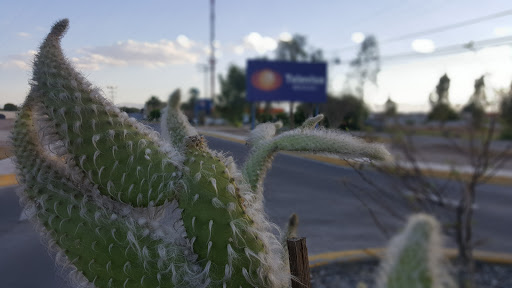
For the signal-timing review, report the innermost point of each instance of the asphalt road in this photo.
(331, 217)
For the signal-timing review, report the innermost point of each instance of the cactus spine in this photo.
(125, 209)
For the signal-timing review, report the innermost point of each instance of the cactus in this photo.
(414, 258)
(123, 208)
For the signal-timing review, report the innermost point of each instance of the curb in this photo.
(8, 180)
(348, 256)
(499, 180)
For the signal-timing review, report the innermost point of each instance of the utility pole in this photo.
(212, 48)
(112, 92)
(204, 69)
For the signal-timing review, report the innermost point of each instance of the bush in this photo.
(154, 115)
(10, 107)
(442, 112)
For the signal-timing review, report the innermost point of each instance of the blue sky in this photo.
(152, 47)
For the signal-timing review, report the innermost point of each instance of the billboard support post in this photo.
(253, 115)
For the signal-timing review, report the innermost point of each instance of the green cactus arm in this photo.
(174, 124)
(126, 160)
(414, 258)
(304, 139)
(311, 122)
(110, 244)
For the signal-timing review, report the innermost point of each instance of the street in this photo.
(331, 217)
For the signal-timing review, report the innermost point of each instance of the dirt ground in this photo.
(6, 126)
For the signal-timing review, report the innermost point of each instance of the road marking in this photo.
(227, 138)
(8, 180)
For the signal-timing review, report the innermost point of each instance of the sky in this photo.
(153, 47)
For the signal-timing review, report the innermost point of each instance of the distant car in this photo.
(2, 116)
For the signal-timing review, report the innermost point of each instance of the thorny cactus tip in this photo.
(414, 258)
(122, 208)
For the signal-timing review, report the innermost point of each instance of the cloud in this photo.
(23, 34)
(185, 42)
(423, 46)
(502, 31)
(358, 37)
(19, 61)
(261, 44)
(147, 54)
(285, 37)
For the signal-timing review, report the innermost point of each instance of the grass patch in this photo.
(5, 152)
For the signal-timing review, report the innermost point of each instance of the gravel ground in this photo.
(349, 275)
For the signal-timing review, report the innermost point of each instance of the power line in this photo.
(449, 27)
(438, 29)
(453, 49)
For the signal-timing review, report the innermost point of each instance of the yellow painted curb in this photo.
(499, 180)
(227, 138)
(8, 180)
(375, 253)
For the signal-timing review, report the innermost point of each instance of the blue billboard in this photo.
(286, 81)
(203, 105)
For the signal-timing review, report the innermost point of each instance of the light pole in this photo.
(212, 48)
(112, 91)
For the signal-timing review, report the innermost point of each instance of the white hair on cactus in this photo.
(263, 132)
(311, 141)
(415, 255)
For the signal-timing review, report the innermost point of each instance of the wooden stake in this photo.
(299, 263)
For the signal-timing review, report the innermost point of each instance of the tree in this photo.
(410, 187)
(153, 103)
(506, 112)
(294, 50)
(231, 101)
(441, 109)
(297, 50)
(366, 66)
(475, 107)
(10, 107)
(390, 108)
(348, 112)
(154, 115)
(129, 109)
(188, 107)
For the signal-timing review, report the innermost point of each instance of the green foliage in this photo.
(442, 112)
(293, 50)
(231, 101)
(390, 109)
(188, 107)
(506, 113)
(366, 66)
(10, 107)
(283, 118)
(475, 106)
(347, 113)
(153, 103)
(297, 50)
(441, 109)
(129, 109)
(154, 115)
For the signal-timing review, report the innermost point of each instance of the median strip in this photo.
(375, 253)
